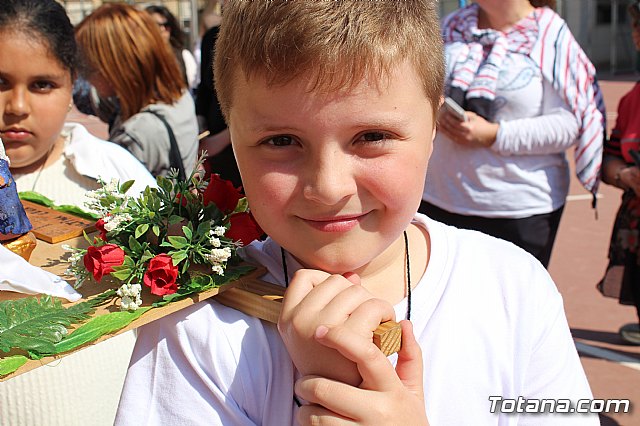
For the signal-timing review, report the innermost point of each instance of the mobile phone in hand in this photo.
(456, 110)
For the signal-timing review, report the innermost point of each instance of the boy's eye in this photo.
(281, 140)
(374, 136)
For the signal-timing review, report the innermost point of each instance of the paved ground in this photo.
(578, 262)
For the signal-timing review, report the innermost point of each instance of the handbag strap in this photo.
(175, 159)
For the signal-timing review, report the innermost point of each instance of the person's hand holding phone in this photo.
(465, 127)
(453, 108)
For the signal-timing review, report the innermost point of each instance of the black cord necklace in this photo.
(406, 252)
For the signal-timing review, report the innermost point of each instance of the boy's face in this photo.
(334, 178)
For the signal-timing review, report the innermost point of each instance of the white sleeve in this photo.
(205, 364)
(554, 370)
(554, 131)
(191, 68)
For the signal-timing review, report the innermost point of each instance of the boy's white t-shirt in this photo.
(488, 317)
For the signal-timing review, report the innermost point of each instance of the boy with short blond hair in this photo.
(331, 110)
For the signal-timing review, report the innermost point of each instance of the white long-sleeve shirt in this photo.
(525, 172)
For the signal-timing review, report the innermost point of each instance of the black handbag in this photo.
(175, 159)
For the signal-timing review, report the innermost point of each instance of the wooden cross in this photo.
(264, 300)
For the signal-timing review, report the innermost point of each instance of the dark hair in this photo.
(551, 4)
(45, 20)
(177, 36)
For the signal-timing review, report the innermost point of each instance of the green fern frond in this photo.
(36, 324)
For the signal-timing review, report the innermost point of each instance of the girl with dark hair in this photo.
(175, 37)
(38, 63)
(124, 56)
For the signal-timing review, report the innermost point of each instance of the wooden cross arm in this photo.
(264, 300)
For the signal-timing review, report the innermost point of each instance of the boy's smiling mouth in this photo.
(341, 223)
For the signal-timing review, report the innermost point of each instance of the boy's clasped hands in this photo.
(327, 323)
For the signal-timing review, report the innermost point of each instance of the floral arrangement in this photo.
(177, 239)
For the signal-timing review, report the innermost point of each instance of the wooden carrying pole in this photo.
(264, 300)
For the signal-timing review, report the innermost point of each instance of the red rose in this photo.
(222, 193)
(101, 260)
(244, 228)
(100, 228)
(161, 275)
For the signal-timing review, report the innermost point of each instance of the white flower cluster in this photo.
(214, 233)
(130, 299)
(94, 197)
(218, 231)
(218, 258)
(112, 222)
(76, 267)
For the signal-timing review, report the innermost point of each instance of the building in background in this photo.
(184, 10)
(601, 26)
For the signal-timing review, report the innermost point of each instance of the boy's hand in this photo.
(476, 131)
(316, 298)
(385, 397)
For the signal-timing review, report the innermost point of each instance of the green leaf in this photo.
(156, 230)
(36, 198)
(164, 183)
(134, 245)
(243, 205)
(65, 208)
(146, 256)
(178, 256)
(35, 325)
(128, 262)
(188, 232)
(125, 186)
(204, 228)
(141, 230)
(10, 364)
(177, 241)
(173, 219)
(97, 327)
(76, 211)
(121, 273)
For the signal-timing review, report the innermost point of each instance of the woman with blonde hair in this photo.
(125, 56)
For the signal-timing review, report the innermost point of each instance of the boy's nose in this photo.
(330, 180)
(16, 102)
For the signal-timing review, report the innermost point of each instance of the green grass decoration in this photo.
(36, 324)
(98, 327)
(38, 198)
(10, 364)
